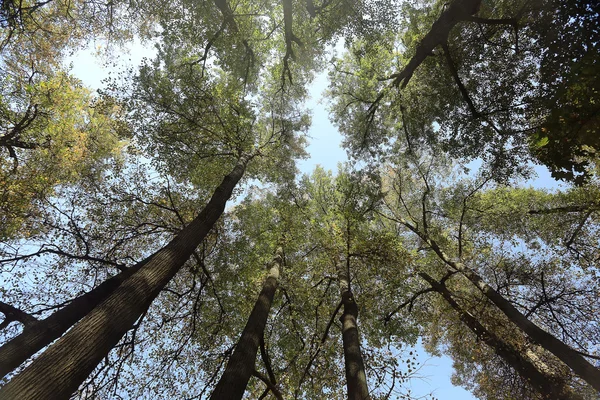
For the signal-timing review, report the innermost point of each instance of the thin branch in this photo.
(501, 21)
(409, 302)
(323, 340)
(457, 80)
(566, 209)
(267, 361)
(578, 229)
(271, 387)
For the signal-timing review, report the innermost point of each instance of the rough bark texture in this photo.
(356, 379)
(59, 371)
(565, 353)
(39, 334)
(550, 387)
(14, 314)
(240, 367)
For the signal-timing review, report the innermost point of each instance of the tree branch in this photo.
(14, 314)
(458, 10)
(271, 387)
(323, 340)
(461, 86)
(408, 302)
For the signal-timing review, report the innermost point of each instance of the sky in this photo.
(324, 149)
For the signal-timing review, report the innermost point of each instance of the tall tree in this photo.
(546, 384)
(240, 367)
(503, 83)
(151, 278)
(489, 80)
(417, 216)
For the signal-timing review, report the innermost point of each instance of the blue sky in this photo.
(325, 150)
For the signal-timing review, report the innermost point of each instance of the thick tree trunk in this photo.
(356, 379)
(39, 334)
(455, 12)
(59, 371)
(549, 386)
(240, 367)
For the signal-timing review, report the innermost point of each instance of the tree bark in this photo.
(564, 352)
(59, 371)
(454, 12)
(356, 379)
(14, 314)
(39, 334)
(550, 387)
(240, 367)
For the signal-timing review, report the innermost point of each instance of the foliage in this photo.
(491, 89)
(443, 107)
(56, 134)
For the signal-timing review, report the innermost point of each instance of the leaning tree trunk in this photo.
(564, 352)
(59, 371)
(356, 379)
(550, 387)
(39, 334)
(240, 367)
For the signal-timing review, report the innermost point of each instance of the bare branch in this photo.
(409, 303)
(270, 385)
(14, 314)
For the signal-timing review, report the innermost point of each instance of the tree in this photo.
(142, 286)
(545, 383)
(240, 367)
(53, 131)
(103, 195)
(474, 70)
(419, 215)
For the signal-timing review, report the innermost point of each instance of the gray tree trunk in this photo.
(59, 371)
(240, 367)
(356, 379)
(549, 386)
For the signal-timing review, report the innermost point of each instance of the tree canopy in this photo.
(157, 239)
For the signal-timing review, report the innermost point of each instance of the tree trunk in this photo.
(356, 379)
(550, 387)
(455, 12)
(565, 353)
(59, 371)
(240, 367)
(41, 333)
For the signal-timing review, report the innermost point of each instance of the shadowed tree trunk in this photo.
(39, 334)
(561, 350)
(356, 379)
(565, 353)
(550, 387)
(59, 371)
(240, 367)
